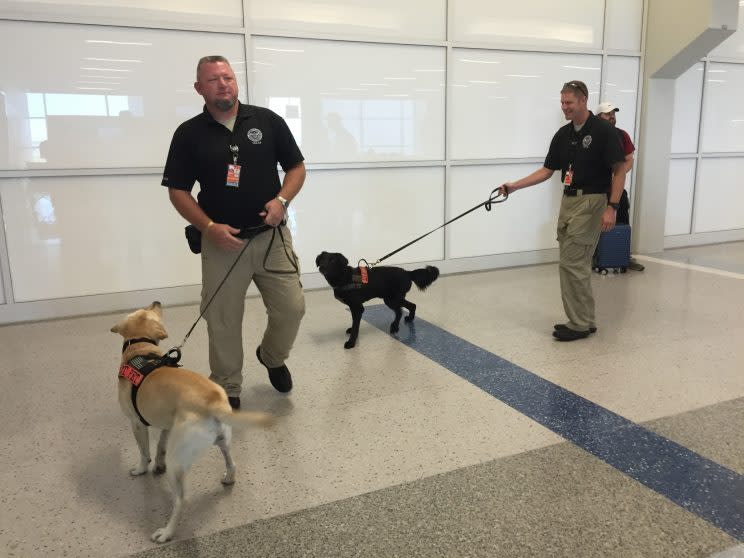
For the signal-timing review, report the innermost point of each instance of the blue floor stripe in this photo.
(695, 483)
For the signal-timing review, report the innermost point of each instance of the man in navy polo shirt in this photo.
(232, 150)
(606, 111)
(588, 154)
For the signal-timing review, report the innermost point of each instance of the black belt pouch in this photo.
(193, 237)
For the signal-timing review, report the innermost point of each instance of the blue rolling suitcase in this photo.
(613, 250)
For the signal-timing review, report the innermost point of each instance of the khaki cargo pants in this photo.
(579, 226)
(281, 291)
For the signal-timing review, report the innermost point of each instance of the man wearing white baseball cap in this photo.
(607, 111)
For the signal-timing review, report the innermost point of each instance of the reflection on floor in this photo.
(470, 433)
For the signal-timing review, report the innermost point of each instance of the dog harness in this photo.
(137, 369)
(359, 278)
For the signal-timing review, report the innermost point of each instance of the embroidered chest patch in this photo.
(131, 374)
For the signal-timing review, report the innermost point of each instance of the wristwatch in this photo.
(614, 206)
(283, 201)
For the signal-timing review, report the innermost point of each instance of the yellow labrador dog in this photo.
(192, 411)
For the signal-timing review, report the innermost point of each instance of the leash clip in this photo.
(172, 357)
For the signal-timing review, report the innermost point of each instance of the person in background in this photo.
(232, 150)
(592, 165)
(607, 111)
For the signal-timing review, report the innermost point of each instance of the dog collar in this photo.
(130, 342)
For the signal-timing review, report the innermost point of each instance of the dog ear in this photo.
(159, 332)
(156, 307)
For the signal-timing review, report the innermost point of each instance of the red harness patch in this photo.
(134, 376)
(365, 277)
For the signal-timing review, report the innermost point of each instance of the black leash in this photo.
(248, 241)
(488, 203)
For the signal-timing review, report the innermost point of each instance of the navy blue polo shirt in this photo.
(200, 152)
(591, 152)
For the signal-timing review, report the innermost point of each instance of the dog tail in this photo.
(245, 418)
(425, 276)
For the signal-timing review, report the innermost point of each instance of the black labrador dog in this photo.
(355, 286)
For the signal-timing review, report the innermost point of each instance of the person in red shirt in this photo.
(607, 111)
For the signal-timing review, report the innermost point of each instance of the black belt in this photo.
(250, 232)
(573, 192)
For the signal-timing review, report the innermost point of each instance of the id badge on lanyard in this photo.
(568, 178)
(233, 170)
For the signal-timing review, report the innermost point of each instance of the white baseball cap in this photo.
(602, 108)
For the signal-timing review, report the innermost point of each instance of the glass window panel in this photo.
(360, 223)
(624, 24)
(688, 97)
(423, 20)
(576, 23)
(723, 111)
(108, 97)
(621, 89)
(42, 223)
(679, 197)
(507, 104)
(386, 104)
(214, 12)
(528, 223)
(719, 197)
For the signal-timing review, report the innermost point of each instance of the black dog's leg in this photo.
(353, 331)
(411, 307)
(395, 306)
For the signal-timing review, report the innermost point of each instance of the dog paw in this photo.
(138, 470)
(394, 328)
(348, 331)
(159, 469)
(161, 535)
(349, 344)
(228, 478)
(408, 319)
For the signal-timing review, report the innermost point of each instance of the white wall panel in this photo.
(507, 104)
(75, 236)
(175, 12)
(354, 102)
(576, 23)
(624, 24)
(723, 110)
(679, 197)
(719, 197)
(526, 221)
(733, 47)
(422, 20)
(99, 97)
(688, 97)
(621, 89)
(367, 213)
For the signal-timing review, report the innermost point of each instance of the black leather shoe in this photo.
(234, 402)
(564, 326)
(279, 377)
(570, 334)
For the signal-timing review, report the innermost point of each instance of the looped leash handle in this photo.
(492, 199)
